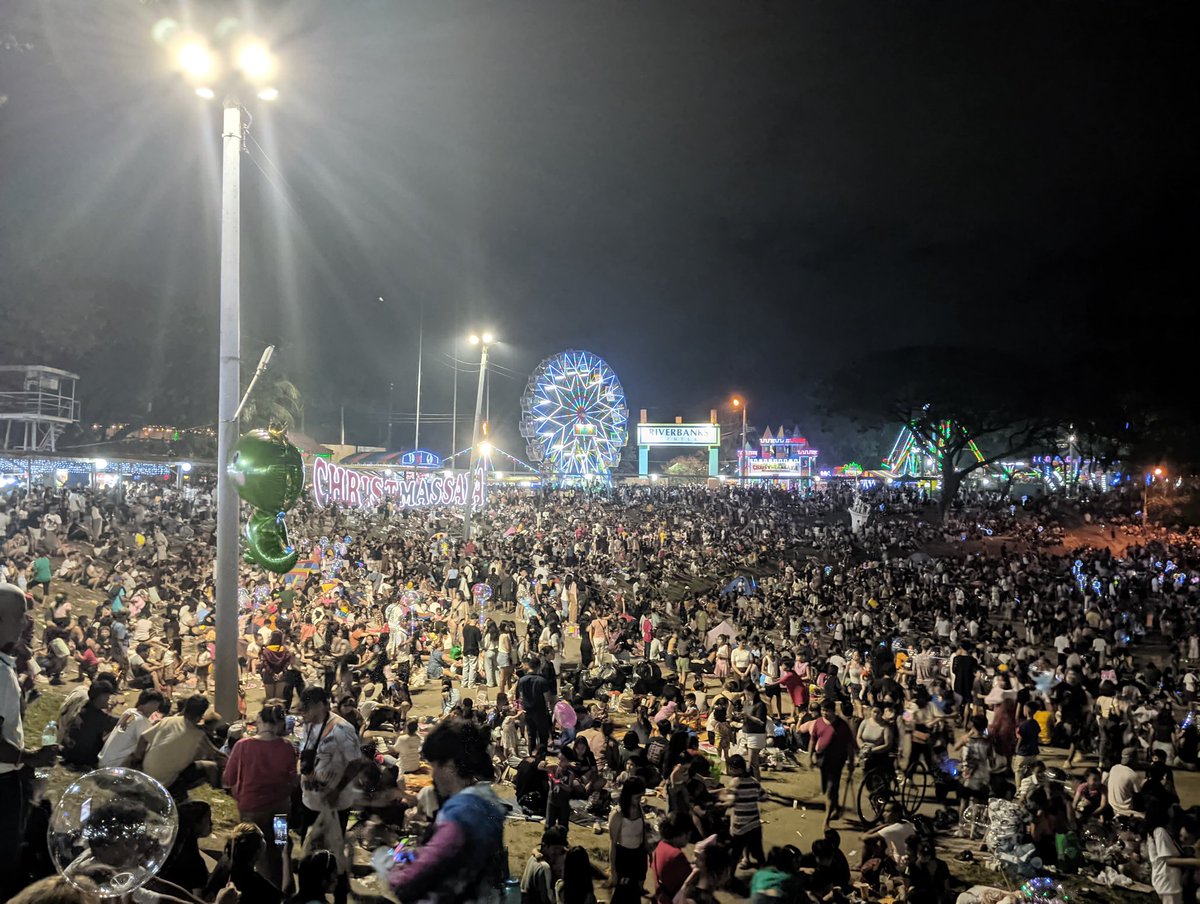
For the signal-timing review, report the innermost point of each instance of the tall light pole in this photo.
(738, 403)
(1149, 479)
(483, 341)
(249, 65)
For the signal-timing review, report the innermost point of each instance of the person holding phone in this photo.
(261, 776)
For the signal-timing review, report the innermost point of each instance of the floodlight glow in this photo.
(474, 340)
(195, 60)
(206, 93)
(268, 94)
(488, 338)
(485, 448)
(254, 61)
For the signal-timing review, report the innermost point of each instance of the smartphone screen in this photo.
(281, 829)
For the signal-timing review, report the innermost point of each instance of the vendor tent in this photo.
(740, 584)
(726, 627)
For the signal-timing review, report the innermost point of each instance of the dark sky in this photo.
(715, 197)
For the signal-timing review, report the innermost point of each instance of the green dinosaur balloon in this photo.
(267, 543)
(268, 473)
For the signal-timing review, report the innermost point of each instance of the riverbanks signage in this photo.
(707, 435)
(678, 435)
(334, 485)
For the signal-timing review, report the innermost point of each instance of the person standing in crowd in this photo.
(831, 745)
(261, 775)
(628, 833)
(537, 699)
(472, 646)
(16, 760)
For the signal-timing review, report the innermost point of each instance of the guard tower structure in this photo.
(37, 403)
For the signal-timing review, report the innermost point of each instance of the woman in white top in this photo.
(627, 831)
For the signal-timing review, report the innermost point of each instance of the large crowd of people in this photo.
(655, 664)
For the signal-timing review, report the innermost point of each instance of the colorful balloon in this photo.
(268, 473)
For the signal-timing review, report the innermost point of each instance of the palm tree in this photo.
(275, 400)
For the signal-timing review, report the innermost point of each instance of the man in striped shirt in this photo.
(745, 823)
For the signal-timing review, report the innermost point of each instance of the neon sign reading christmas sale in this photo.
(334, 485)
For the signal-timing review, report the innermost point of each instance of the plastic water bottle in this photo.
(49, 739)
(511, 892)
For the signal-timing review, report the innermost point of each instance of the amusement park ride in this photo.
(915, 457)
(574, 419)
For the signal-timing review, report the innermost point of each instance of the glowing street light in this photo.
(254, 61)
(738, 403)
(195, 60)
(485, 448)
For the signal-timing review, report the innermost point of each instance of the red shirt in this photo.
(260, 774)
(833, 739)
(671, 870)
(796, 687)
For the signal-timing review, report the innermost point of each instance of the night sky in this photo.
(715, 197)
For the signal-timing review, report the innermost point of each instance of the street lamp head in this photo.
(488, 338)
(254, 60)
(737, 403)
(195, 60)
(473, 339)
(1158, 472)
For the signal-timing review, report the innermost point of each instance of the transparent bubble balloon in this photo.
(112, 831)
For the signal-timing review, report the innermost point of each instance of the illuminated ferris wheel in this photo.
(573, 418)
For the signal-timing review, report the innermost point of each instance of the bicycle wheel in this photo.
(873, 794)
(914, 788)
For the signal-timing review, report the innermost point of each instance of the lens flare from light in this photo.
(164, 30)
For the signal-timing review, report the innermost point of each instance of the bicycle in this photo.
(881, 786)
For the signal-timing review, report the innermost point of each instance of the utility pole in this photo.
(420, 355)
(225, 678)
(391, 395)
(483, 359)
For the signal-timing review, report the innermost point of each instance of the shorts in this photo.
(755, 741)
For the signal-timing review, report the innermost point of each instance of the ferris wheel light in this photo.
(577, 429)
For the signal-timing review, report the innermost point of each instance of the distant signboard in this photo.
(678, 435)
(334, 485)
(420, 458)
(779, 467)
(784, 441)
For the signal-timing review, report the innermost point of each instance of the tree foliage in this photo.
(953, 400)
(274, 400)
(695, 465)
